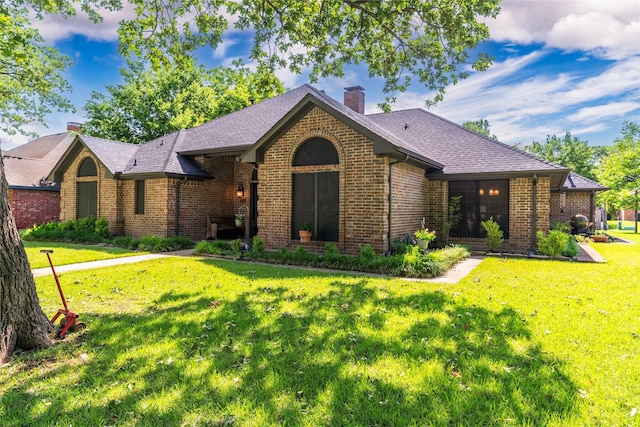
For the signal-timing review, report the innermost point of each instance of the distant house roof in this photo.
(577, 182)
(28, 165)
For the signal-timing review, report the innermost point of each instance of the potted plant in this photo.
(424, 236)
(239, 220)
(600, 237)
(305, 232)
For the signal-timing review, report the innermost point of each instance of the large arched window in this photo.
(316, 195)
(87, 191)
(316, 151)
(87, 168)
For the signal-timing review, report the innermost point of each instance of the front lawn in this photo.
(69, 253)
(218, 343)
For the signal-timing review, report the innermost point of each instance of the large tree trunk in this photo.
(23, 324)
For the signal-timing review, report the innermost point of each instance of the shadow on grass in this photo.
(355, 354)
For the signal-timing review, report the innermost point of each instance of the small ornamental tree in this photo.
(495, 236)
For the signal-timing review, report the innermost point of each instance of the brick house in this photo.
(576, 196)
(302, 157)
(34, 199)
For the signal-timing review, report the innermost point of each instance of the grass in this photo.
(215, 343)
(67, 253)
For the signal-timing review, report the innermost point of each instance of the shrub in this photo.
(419, 264)
(301, 254)
(556, 243)
(565, 227)
(126, 242)
(215, 247)
(149, 243)
(258, 246)
(367, 253)
(102, 227)
(236, 246)
(571, 249)
(495, 236)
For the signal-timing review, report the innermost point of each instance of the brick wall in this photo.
(520, 212)
(34, 206)
(408, 200)
(362, 181)
(575, 203)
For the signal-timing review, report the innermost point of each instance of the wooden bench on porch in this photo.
(223, 225)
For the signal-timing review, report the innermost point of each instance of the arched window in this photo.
(87, 168)
(316, 195)
(316, 151)
(87, 191)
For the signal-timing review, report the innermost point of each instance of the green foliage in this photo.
(126, 242)
(565, 227)
(399, 42)
(151, 103)
(102, 227)
(425, 234)
(620, 169)
(414, 263)
(367, 253)
(258, 246)
(480, 126)
(31, 73)
(83, 230)
(556, 243)
(570, 152)
(495, 236)
(236, 246)
(306, 227)
(162, 325)
(215, 247)
(164, 244)
(450, 220)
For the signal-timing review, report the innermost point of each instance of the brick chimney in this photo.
(74, 126)
(354, 98)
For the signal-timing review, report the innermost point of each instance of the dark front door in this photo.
(87, 199)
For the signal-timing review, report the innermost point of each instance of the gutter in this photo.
(534, 214)
(178, 185)
(389, 213)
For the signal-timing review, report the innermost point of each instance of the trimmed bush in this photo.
(556, 243)
(495, 236)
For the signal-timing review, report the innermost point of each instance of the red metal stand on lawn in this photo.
(70, 320)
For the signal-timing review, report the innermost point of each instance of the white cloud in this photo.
(55, 28)
(614, 109)
(608, 29)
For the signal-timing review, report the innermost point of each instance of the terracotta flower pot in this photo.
(600, 239)
(305, 236)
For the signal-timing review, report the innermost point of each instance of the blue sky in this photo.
(560, 65)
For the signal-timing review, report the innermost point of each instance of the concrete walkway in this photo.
(45, 271)
(454, 275)
(587, 254)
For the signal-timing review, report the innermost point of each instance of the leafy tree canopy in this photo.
(480, 126)
(569, 151)
(397, 40)
(152, 103)
(31, 81)
(620, 169)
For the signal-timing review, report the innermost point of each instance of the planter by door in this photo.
(601, 239)
(305, 236)
(423, 244)
(239, 222)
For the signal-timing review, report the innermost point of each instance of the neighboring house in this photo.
(304, 157)
(34, 199)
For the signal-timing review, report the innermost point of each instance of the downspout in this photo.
(178, 185)
(389, 213)
(592, 208)
(534, 214)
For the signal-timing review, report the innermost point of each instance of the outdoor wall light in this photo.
(240, 191)
(481, 192)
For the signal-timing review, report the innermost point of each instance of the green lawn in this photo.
(67, 253)
(216, 343)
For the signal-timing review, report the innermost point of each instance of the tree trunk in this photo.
(23, 324)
